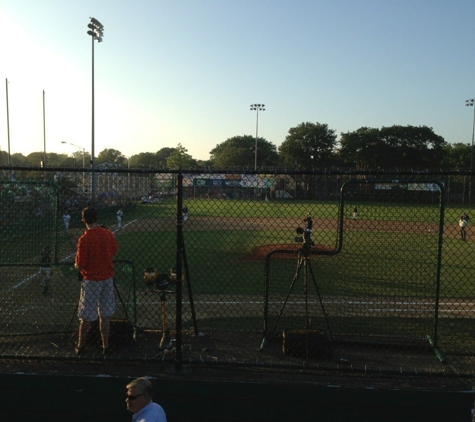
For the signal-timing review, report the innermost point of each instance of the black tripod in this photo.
(303, 261)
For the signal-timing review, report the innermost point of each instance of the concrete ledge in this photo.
(40, 397)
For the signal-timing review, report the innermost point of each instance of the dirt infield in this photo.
(255, 223)
(261, 252)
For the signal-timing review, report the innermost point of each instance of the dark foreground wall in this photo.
(29, 397)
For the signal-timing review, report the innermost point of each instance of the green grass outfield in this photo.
(370, 263)
(382, 282)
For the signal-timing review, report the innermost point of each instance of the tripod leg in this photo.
(75, 312)
(120, 299)
(163, 340)
(321, 301)
(266, 303)
(190, 295)
(134, 326)
(305, 292)
(296, 276)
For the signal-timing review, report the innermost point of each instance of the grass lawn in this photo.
(372, 262)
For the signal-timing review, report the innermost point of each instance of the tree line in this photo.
(307, 146)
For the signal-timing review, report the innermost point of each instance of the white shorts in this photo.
(96, 299)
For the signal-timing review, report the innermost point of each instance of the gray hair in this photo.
(143, 385)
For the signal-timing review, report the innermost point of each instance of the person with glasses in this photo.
(94, 259)
(139, 398)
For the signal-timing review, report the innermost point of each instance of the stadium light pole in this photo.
(8, 127)
(83, 159)
(44, 136)
(470, 103)
(96, 31)
(256, 108)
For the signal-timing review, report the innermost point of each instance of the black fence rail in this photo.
(349, 272)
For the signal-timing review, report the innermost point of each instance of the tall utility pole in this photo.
(257, 108)
(469, 103)
(96, 31)
(44, 135)
(8, 127)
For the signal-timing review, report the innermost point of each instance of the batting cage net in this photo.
(351, 272)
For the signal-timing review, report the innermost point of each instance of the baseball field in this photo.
(396, 274)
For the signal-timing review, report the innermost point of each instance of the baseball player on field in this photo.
(66, 220)
(120, 213)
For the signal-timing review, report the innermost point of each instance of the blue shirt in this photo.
(153, 412)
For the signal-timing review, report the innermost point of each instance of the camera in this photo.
(305, 239)
(153, 279)
(299, 239)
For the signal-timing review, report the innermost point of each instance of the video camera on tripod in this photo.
(161, 282)
(305, 235)
(306, 342)
(153, 279)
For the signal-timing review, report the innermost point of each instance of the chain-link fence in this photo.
(353, 272)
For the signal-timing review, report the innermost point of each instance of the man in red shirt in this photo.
(94, 259)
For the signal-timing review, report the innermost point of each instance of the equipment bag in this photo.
(306, 343)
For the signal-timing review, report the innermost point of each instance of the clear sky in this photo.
(185, 72)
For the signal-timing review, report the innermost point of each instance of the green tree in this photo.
(415, 147)
(309, 146)
(78, 158)
(180, 159)
(362, 149)
(203, 163)
(52, 159)
(163, 155)
(144, 159)
(17, 159)
(151, 159)
(239, 151)
(3, 158)
(111, 156)
(410, 147)
(35, 158)
(457, 156)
